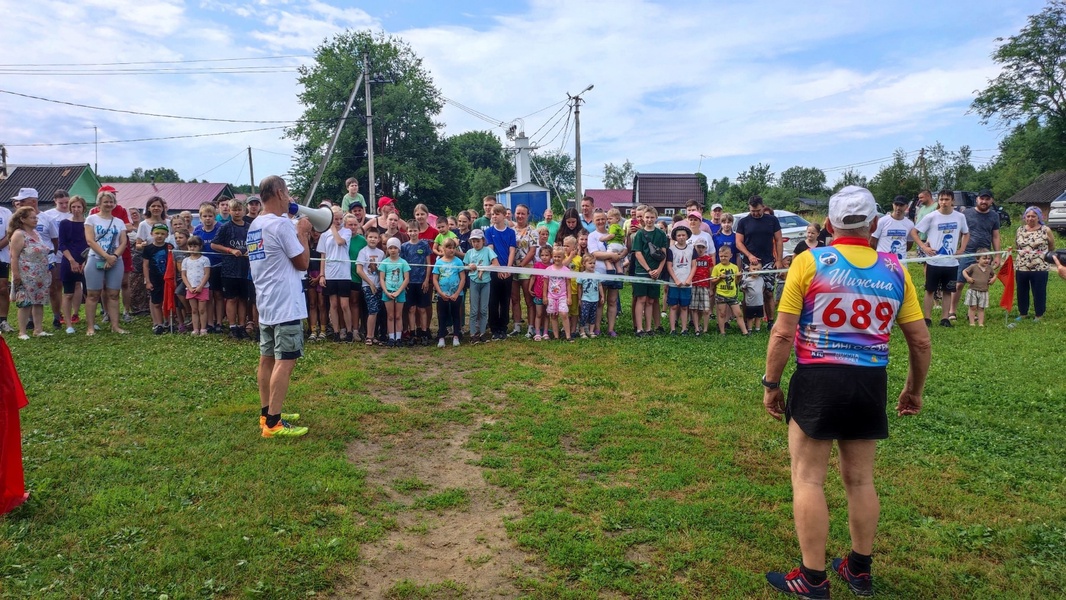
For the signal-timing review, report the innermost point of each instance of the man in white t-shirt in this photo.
(894, 231)
(56, 215)
(278, 251)
(946, 232)
(5, 270)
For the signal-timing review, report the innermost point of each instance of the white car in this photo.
(1056, 217)
(793, 227)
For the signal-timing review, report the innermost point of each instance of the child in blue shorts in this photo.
(679, 288)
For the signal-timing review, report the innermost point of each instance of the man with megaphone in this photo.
(278, 252)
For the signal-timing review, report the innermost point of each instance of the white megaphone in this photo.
(321, 218)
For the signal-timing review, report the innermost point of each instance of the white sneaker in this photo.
(70, 330)
(455, 341)
(43, 334)
(440, 343)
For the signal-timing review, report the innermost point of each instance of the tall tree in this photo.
(1033, 80)
(897, 178)
(618, 178)
(849, 177)
(555, 171)
(410, 158)
(806, 180)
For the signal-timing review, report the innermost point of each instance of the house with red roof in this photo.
(178, 196)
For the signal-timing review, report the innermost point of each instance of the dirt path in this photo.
(449, 538)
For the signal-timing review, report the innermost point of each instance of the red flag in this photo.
(1006, 276)
(12, 398)
(169, 283)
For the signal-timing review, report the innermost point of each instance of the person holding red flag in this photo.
(12, 399)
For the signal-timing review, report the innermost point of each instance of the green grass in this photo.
(643, 468)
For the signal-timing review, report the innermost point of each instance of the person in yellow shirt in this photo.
(725, 277)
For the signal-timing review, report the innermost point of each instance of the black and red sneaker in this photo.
(860, 584)
(795, 584)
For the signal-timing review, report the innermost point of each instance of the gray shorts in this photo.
(99, 279)
(284, 341)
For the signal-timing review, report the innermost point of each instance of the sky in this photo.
(680, 86)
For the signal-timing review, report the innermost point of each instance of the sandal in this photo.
(369, 341)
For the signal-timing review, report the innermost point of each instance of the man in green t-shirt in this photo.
(552, 225)
(353, 196)
(649, 252)
(483, 222)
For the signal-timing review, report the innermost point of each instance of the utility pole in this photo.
(578, 194)
(251, 174)
(371, 199)
(333, 141)
(921, 168)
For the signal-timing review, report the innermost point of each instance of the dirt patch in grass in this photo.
(449, 524)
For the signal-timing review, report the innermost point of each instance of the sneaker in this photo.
(70, 330)
(127, 317)
(6, 327)
(158, 330)
(698, 333)
(290, 417)
(455, 341)
(795, 584)
(928, 322)
(584, 335)
(945, 323)
(283, 429)
(24, 337)
(613, 334)
(44, 334)
(75, 320)
(639, 334)
(440, 343)
(57, 324)
(860, 584)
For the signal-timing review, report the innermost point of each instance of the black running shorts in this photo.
(839, 402)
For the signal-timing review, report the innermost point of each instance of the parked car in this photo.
(1056, 216)
(793, 227)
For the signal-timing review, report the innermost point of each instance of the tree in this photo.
(412, 163)
(897, 179)
(805, 180)
(618, 178)
(849, 177)
(555, 171)
(1032, 83)
(489, 167)
(139, 175)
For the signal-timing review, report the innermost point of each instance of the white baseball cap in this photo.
(852, 201)
(25, 193)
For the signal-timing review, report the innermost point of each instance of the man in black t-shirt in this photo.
(759, 240)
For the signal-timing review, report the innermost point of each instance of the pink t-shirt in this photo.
(538, 281)
(556, 286)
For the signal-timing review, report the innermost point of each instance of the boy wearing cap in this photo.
(154, 263)
(893, 232)
(479, 255)
(838, 308)
(716, 219)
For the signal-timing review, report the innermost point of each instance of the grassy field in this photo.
(635, 468)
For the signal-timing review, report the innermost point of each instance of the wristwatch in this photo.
(770, 385)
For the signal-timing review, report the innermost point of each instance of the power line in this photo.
(239, 152)
(561, 109)
(133, 112)
(475, 113)
(156, 62)
(153, 139)
(164, 71)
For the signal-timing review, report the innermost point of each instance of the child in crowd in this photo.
(555, 294)
(316, 303)
(726, 236)
(479, 255)
(443, 233)
(417, 253)
(615, 241)
(449, 279)
(543, 233)
(649, 251)
(196, 275)
(355, 297)
(724, 277)
(395, 276)
(336, 276)
(237, 290)
(780, 287)
(980, 276)
(573, 260)
(181, 303)
(154, 258)
(702, 263)
(206, 231)
(679, 287)
(590, 290)
(753, 286)
(367, 267)
(540, 326)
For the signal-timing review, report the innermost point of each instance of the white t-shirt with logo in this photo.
(55, 217)
(892, 235)
(943, 233)
(105, 232)
(272, 244)
(336, 255)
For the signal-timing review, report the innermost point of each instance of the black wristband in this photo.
(770, 385)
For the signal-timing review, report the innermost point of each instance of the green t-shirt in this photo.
(358, 243)
(481, 223)
(553, 229)
(443, 235)
(643, 241)
(346, 203)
